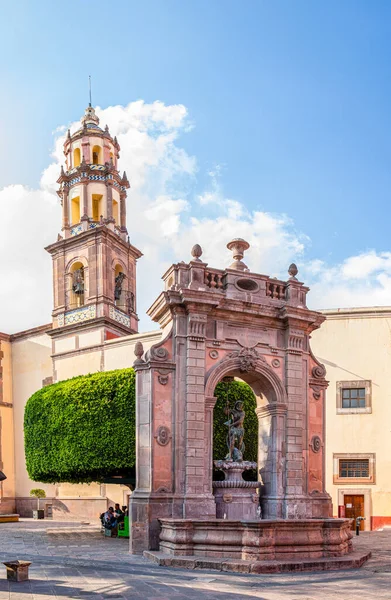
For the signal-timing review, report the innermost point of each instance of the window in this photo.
(97, 208)
(75, 210)
(354, 468)
(354, 397)
(76, 157)
(115, 212)
(96, 151)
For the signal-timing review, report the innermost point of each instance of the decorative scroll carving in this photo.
(162, 379)
(213, 354)
(163, 435)
(316, 392)
(316, 443)
(276, 363)
(159, 353)
(164, 490)
(319, 371)
(248, 358)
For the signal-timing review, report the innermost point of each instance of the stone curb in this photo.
(352, 561)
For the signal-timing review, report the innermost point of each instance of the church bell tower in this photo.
(94, 264)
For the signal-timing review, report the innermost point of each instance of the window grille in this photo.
(354, 469)
(353, 398)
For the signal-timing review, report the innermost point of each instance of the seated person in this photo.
(118, 513)
(109, 519)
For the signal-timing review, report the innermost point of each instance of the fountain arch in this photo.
(271, 412)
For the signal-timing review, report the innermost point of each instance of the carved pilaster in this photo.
(123, 211)
(65, 208)
(109, 200)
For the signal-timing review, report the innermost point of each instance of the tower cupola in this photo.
(91, 187)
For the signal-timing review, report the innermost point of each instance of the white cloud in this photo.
(167, 215)
(361, 280)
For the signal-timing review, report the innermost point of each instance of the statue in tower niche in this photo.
(78, 281)
(235, 435)
(130, 302)
(118, 285)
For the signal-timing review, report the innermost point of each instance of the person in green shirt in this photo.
(118, 513)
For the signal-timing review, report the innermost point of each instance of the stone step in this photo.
(354, 560)
(13, 518)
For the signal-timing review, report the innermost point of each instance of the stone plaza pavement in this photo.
(73, 560)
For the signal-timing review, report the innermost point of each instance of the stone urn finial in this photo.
(238, 247)
(139, 351)
(196, 252)
(293, 271)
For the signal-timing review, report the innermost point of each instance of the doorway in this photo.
(354, 507)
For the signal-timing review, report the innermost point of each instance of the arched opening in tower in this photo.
(76, 157)
(96, 155)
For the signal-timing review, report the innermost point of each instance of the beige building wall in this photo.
(7, 453)
(33, 365)
(355, 347)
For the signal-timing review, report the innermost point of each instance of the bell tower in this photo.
(94, 264)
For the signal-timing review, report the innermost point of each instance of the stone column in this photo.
(199, 501)
(85, 198)
(271, 458)
(123, 211)
(139, 502)
(296, 435)
(65, 208)
(109, 204)
(85, 145)
(210, 402)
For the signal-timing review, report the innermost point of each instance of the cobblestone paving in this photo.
(74, 561)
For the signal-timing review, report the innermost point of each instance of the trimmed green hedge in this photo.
(83, 429)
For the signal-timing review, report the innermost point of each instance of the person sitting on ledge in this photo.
(118, 513)
(109, 520)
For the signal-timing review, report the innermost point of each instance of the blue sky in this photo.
(290, 99)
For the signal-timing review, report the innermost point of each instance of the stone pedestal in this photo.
(235, 497)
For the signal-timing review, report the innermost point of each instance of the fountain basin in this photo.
(280, 539)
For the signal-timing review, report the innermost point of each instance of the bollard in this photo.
(358, 521)
(17, 570)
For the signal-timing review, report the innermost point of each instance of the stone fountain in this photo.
(236, 323)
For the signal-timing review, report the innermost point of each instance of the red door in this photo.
(354, 507)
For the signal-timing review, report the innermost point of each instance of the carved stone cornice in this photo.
(272, 409)
(210, 401)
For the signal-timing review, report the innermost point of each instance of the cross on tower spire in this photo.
(89, 80)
